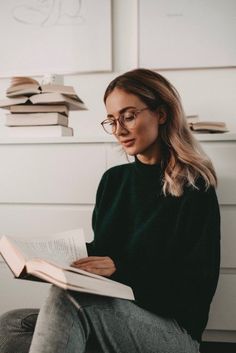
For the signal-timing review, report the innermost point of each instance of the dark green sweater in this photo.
(166, 248)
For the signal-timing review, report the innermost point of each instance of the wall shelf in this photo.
(229, 136)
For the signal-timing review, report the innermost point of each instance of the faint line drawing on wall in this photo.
(48, 12)
(55, 36)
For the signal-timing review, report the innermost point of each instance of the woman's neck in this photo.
(152, 155)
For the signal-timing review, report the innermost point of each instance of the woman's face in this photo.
(142, 139)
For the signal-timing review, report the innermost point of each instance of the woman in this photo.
(156, 228)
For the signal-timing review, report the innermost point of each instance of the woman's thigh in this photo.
(120, 326)
(16, 330)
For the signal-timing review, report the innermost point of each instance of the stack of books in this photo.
(39, 110)
(199, 126)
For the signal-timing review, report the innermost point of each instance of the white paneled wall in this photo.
(228, 225)
(224, 162)
(51, 175)
(33, 219)
(16, 294)
(223, 312)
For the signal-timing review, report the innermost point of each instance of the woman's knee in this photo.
(56, 293)
(18, 320)
(56, 296)
(16, 330)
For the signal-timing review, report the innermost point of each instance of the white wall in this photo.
(211, 93)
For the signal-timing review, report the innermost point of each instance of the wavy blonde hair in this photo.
(183, 159)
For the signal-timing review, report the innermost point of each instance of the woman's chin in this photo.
(130, 151)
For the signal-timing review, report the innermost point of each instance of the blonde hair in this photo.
(183, 159)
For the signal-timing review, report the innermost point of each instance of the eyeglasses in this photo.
(127, 120)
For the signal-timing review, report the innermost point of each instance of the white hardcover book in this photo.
(49, 259)
(67, 90)
(36, 119)
(39, 131)
(7, 102)
(39, 108)
(73, 103)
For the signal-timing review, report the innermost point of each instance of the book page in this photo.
(61, 248)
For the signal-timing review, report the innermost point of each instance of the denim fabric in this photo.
(16, 330)
(69, 320)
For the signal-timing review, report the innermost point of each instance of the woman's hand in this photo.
(99, 265)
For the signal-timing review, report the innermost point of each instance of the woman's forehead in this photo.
(119, 99)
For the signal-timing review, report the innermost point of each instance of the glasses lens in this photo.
(128, 119)
(109, 126)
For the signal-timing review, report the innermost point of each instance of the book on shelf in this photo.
(28, 85)
(192, 118)
(47, 108)
(73, 103)
(19, 80)
(39, 131)
(28, 89)
(208, 126)
(36, 119)
(7, 102)
(21, 85)
(49, 259)
(67, 90)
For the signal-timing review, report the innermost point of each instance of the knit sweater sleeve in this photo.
(91, 246)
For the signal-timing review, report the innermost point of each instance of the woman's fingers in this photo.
(99, 271)
(97, 264)
(90, 259)
(100, 265)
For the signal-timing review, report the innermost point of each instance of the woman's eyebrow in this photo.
(121, 111)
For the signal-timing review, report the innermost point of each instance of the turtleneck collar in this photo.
(148, 170)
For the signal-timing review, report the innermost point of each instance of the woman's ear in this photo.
(162, 115)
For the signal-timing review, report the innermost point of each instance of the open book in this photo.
(33, 88)
(28, 86)
(72, 102)
(48, 259)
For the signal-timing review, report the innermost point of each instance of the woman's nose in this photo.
(120, 129)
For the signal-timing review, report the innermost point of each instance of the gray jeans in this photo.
(70, 322)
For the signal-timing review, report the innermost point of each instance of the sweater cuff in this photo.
(90, 248)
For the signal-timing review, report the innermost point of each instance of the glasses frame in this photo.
(120, 120)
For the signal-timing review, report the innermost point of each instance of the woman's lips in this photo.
(128, 143)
